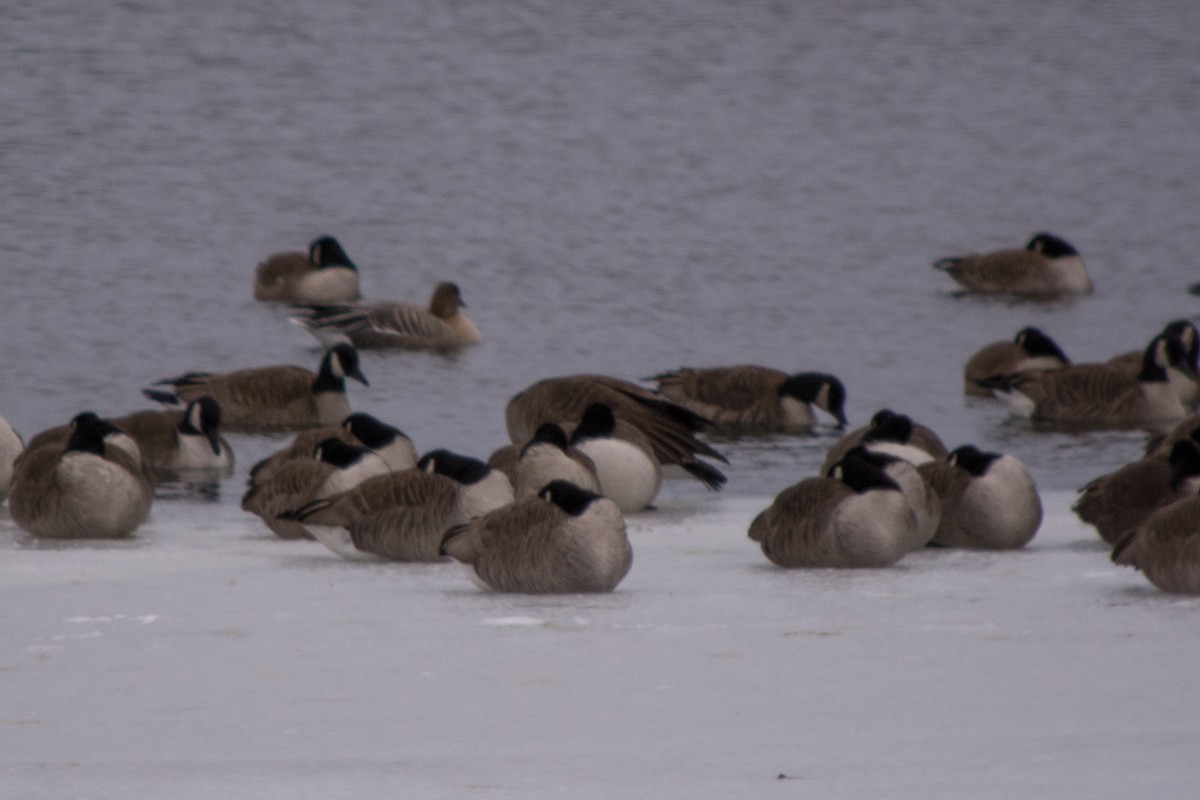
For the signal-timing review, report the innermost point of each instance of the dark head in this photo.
(1050, 246)
(464, 469)
(370, 431)
(327, 252)
(970, 458)
(1184, 332)
(875, 458)
(861, 476)
(548, 433)
(888, 426)
(1185, 461)
(341, 361)
(87, 435)
(446, 300)
(820, 389)
(203, 418)
(338, 453)
(1038, 345)
(597, 421)
(1161, 353)
(570, 498)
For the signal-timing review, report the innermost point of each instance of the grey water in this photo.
(617, 187)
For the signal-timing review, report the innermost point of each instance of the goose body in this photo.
(989, 500)
(181, 444)
(669, 428)
(623, 461)
(890, 433)
(549, 456)
(1116, 503)
(1181, 372)
(11, 448)
(1031, 350)
(440, 326)
(1166, 547)
(274, 398)
(755, 400)
(563, 540)
(855, 517)
(925, 503)
(1100, 396)
(325, 274)
(89, 489)
(402, 516)
(1047, 266)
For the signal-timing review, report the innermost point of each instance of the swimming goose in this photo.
(261, 399)
(89, 489)
(441, 326)
(1166, 547)
(11, 448)
(1100, 396)
(754, 400)
(854, 517)
(989, 500)
(563, 540)
(1119, 501)
(1047, 266)
(334, 467)
(623, 460)
(550, 456)
(178, 444)
(402, 516)
(1030, 350)
(1182, 374)
(669, 427)
(892, 433)
(325, 274)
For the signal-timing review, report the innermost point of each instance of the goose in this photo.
(402, 516)
(1100, 396)
(548, 456)
(563, 540)
(989, 500)
(1119, 501)
(113, 436)
(891, 433)
(325, 274)
(440, 326)
(1182, 375)
(261, 399)
(11, 448)
(1160, 445)
(335, 467)
(89, 489)
(1047, 266)
(1031, 350)
(1166, 547)
(669, 427)
(623, 460)
(922, 499)
(856, 516)
(754, 400)
(180, 443)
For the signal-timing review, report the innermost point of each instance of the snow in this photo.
(205, 658)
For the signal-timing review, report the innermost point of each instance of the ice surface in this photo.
(207, 659)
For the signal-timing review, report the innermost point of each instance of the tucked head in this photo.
(570, 498)
(861, 476)
(888, 426)
(547, 433)
(327, 252)
(369, 430)
(972, 459)
(597, 421)
(1037, 344)
(464, 469)
(1050, 246)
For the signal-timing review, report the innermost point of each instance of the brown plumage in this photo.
(1029, 351)
(1047, 266)
(181, 444)
(892, 433)
(754, 400)
(324, 274)
(1166, 547)
(440, 326)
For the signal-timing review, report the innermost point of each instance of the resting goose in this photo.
(1047, 266)
(325, 274)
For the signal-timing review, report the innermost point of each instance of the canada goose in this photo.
(550, 456)
(402, 516)
(11, 448)
(262, 399)
(335, 466)
(440, 326)
(59, 435)
(1160, 445)
(1100, 396)
(669, 427)
(891, 433)
(989, 500)
(325, 274)
(179, 444)
(754, 400)
(1166, 547)
(563, 540)
(1047, 266)
(89, 489)
(621, 456)
(1182, 373)
(504, 459)
(854, 517)
(1119, 501)
(1030, 350)
(921, 497)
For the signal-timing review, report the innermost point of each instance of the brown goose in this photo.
(325, 274)
(440, 326)
(1029, 351)
(892, 433)
(1047, 266)
(181, 444)
(989, 500)
(1166, 547)
(754, 400)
